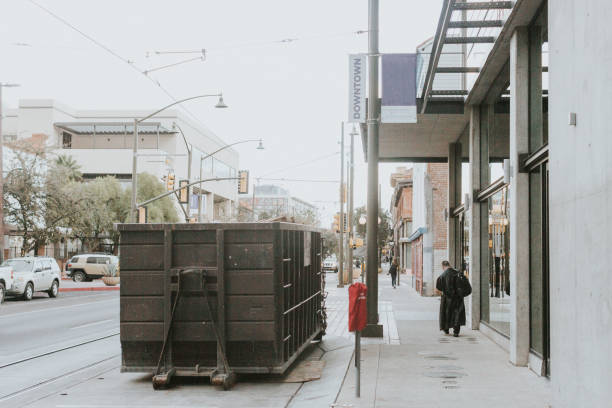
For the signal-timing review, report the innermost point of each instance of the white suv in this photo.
(86, 267)
(34, 274)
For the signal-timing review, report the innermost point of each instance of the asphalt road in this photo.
(47, 340)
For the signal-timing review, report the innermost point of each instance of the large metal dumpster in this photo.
(260, 282)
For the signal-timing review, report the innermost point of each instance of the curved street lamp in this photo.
(134, 213)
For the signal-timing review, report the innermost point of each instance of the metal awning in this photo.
(416, 234)
(467, 23)
(112, 128)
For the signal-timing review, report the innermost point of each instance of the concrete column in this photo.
(210, 207)
(454, 200)
(473, 214)
(519, 198)
(428, 238)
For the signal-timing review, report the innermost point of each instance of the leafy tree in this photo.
(384, 227)
(330, 243)
(102, 202)
(162, 210)
(73, 170)
(35, 197)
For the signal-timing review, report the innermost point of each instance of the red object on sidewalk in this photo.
(358, 312)
(90, 289)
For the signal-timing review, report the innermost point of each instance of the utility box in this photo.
(204, 299)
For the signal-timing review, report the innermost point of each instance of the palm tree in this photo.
(68, 163)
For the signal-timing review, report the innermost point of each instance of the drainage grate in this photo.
(445, 374)
(445, 367)
(440, 357)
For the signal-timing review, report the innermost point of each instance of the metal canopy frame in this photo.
(441, 38)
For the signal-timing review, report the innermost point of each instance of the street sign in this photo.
(183, 192)
(357, 88)
(243, 182)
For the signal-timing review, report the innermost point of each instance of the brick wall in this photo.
(438, 174)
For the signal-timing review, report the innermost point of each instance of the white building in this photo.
(101, 143)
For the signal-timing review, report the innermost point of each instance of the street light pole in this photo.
(189, 161)
(373, 329)
(341, 245)
(350, 207)
(134, 211)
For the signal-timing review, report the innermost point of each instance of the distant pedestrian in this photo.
(454, 287)
(393, 272)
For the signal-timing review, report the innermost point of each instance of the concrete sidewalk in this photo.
(95, 285)
(429, 369)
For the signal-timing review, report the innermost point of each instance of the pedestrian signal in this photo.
(243, 182)
(184, 191)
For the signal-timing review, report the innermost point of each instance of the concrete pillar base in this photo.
(372, 330)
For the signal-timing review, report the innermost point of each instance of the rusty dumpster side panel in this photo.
(263, 283)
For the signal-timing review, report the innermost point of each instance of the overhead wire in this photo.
(130, 63)
(302, 164)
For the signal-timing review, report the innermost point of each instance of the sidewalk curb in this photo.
(90, 289)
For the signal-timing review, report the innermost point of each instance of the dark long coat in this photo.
(452, 308)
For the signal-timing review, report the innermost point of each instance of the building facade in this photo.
(401, 217)
(101, 141)
(428, 238)
(526, 141)
(271, 201)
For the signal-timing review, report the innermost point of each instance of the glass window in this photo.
(92, 260)
(496, 300)
(103, 260)
(19, 265)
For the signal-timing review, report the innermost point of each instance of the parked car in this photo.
(330, 264)
(86, 267)
(33, 274)
(6, 281)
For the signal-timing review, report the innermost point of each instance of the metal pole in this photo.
(188, 204)
(358, 363)
(135, 172)
(341, 244)
(372, 329)
(253, 204)
(200, 194)
(350, 209)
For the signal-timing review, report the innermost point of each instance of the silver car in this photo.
(33, 274)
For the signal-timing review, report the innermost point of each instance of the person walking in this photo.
(393, 272)
(454, 286)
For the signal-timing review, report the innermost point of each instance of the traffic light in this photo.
(142, 215)
(183, 192)
(170, 182)
(336, 225)
(243, 182)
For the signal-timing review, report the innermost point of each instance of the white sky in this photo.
(293, 95)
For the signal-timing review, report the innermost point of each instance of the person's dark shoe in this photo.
(455, 334)
(445, 331)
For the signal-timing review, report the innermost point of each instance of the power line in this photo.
(119, 57)
(302, 164)
(298, 180)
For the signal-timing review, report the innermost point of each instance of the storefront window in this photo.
(496, 302)
(465, 244)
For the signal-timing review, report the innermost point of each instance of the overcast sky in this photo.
(292, 94)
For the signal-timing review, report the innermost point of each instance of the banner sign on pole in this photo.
(398, 88)
(357, 88)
